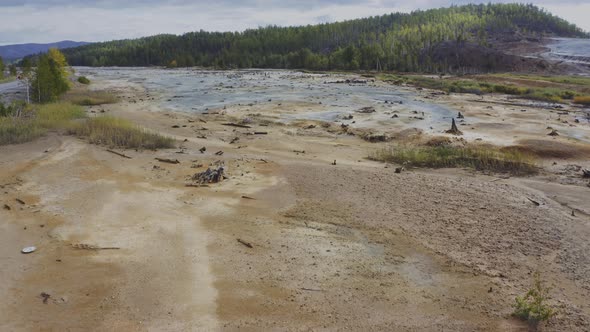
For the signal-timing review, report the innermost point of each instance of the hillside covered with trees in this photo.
(399, 41)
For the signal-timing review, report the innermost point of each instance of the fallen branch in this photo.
(248, 197)
(260, 133)
(534, 202)
(236, 125)
(118, 154)
(91, 247)
(312, 290)
(247, 244)
(169, 161)
(197, 185)
(20, 201)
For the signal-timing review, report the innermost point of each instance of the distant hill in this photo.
(13, 52)
(454, 39)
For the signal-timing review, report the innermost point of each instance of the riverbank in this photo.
(353, 245)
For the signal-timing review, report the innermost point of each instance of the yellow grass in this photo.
(117, 132)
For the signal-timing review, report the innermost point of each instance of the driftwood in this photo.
(264, 161)
(234, 140)
(247, 244)
(454, 130)
(219, 153)
(119, 154)
(235, 125)
(534, 202)
(91, 247)
(248, 197)
(203, 149)
(586, 173)
(169, 161)
(367, 109)
(209, 176)
(553, 133)
(260, 133)
(197, 185)
(7, 207)
(20, 201)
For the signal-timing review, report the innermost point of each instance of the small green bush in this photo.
(83, 80)
(533, 305)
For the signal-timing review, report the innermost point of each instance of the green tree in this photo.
(12, 69)
(50, 79)
(2, 67)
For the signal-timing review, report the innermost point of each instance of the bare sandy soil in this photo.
(124, 245)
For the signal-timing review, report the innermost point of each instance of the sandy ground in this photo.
(123, 245)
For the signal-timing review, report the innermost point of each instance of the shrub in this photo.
(83, 80)
(533, 305)
(120, 133)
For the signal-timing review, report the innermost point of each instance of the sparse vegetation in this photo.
(533, 305)
(35, 122)
(551, 92)
(83, 80)
(117, 132)
(479, 157)
(84, 97)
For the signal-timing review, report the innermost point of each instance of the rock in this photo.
(28, 250)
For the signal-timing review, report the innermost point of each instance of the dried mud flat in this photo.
(123, 244)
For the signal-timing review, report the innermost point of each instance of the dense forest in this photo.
(403, 42)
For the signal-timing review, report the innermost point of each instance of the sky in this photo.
(43, 21)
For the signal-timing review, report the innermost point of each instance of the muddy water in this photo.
(191, 90)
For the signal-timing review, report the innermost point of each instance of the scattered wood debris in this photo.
(260, 133)
(84, 246)
(45, 297)
(586, 173)
(209, 176)
(234, 140)
(248, 197)
(169, 161)
(247, 244)
(118, 154)
(553, 133)
(20, 201)
(219, 153)
(368, 109)
(231, 124)
(312, 290)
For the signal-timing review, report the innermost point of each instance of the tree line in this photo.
(398, 41)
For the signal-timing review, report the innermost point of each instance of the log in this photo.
(260, 133)
(169, 161)
(247, 244)
(235, 125)
(119, 154)
(534, 202)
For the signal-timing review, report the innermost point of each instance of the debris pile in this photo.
(209, 176)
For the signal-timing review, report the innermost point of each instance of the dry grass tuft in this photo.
(582, 100)
(478, 157)
(116, 132)
(85, 97)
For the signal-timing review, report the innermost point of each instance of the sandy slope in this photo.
(346, 247)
